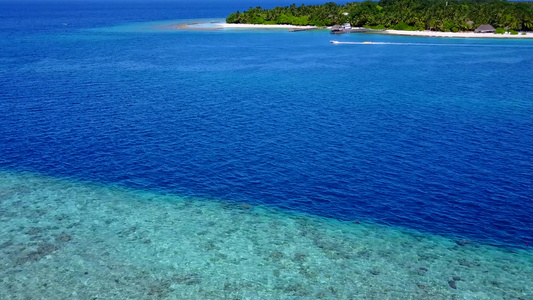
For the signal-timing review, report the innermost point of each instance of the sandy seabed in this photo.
(62, 239)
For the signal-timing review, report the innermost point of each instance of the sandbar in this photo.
(221, 25)
(259, 26)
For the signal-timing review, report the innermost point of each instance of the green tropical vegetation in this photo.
(438, 15)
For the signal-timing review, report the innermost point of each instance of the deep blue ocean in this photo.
(428, 134)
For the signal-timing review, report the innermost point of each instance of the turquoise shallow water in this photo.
(63, 239)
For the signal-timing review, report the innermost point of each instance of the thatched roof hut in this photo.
(485, 29)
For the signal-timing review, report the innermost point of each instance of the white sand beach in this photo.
(428, 33)
(262, 26)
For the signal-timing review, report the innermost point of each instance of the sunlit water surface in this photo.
(144, 161)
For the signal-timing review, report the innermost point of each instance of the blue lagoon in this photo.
(140, 160)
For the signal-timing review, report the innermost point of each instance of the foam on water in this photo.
(62, 240)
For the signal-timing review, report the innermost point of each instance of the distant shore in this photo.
(425, 33)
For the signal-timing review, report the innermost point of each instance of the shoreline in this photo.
(427, 33)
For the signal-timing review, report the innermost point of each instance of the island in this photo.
(441, 17)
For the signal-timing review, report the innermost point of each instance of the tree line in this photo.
(438, 15)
